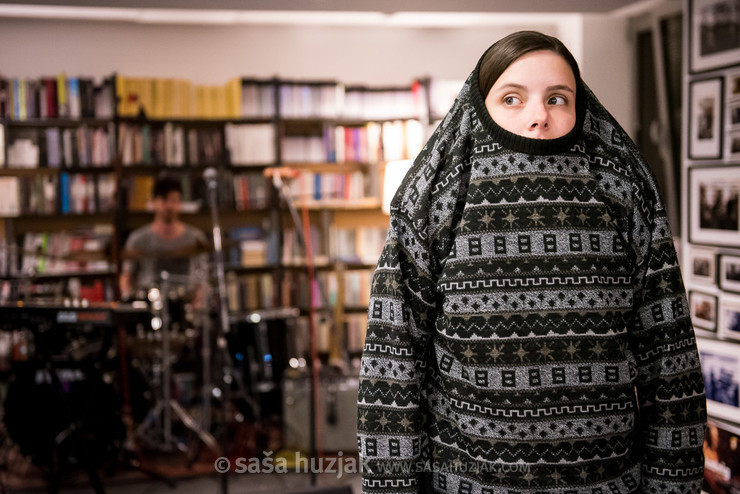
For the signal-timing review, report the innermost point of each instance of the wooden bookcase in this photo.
(337, 137)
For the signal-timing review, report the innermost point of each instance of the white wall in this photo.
(365, 55)
(609, 65)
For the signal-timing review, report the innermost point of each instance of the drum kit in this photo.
(167, 369)
(155, 372)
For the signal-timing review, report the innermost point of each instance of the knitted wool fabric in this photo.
(528, 327)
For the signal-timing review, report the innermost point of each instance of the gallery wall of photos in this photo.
(711, 178)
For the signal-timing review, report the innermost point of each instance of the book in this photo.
(50, 103)
(10, 196)
(5, 100)
(250, 143)
(74, 101)
(53, 147)
(62, 101)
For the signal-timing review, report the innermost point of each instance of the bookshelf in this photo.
(78, 160)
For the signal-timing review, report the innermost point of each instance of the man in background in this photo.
(164, 245)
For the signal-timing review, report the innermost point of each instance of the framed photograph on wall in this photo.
(729, 272)
(721, 459)
(702, 266)
(714, 197)
(732, 116)
(705, 119)
(715, 35)
(703, 308)
(729, 317)
(720, 367)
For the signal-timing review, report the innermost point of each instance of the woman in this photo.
(528, 328)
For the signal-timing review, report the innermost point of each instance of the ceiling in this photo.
(384, 6)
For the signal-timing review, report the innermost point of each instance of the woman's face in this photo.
(535, 96)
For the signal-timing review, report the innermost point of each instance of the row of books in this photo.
(255, 291)
(169, 144)
(250, 144)
(338, 144)
(357, 288)
(138, 192)
(357, 245)
(81, 251)
(319, 100)
(250, 292)
(351, 245)
(235, 191)
(258, 99)
(55, 147)
(67, 193)
(370, 143)
(255, 246)
(370, 103)
(251, 191)
(356, 328)
(160, 98)
(252, 246)
(55, 97)
(87, 193)
(310, 187)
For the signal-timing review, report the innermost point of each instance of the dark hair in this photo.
(507, 50)
(164, 185)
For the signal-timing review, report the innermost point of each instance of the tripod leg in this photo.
(186, 419)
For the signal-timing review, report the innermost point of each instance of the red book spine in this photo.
(51, 98)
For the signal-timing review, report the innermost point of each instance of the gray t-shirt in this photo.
(154, 254)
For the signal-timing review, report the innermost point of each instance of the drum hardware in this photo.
(71, 403)
(165, 405)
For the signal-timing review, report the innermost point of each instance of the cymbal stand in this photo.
(165, 406)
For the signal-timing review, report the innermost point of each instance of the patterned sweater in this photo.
(528, 326)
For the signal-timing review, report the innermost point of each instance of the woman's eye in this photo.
(511, 100)
(557, 100)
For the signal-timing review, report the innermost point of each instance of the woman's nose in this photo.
(539, 116)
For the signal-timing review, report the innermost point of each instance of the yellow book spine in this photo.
(62, 94)
(159, 111)
(234, 96)
(168, 98)
(186, 98)
(147, 93)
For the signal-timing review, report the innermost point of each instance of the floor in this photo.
(173, 471)
(236, 484)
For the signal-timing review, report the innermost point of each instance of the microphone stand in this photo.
(210, 175)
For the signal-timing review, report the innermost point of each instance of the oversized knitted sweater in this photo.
(528, 326)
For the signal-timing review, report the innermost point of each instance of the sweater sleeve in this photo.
(401, 311)
(670, 388)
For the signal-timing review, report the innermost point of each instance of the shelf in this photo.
(338, 121)
(26, 170)
(70, 274)
(107, 216)
(346, 167)
(323, 266)
(368, 203)
(57, 122)
(195, 121)
(160, 167)
(358, 309)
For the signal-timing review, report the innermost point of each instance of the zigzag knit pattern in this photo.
(528, 326)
